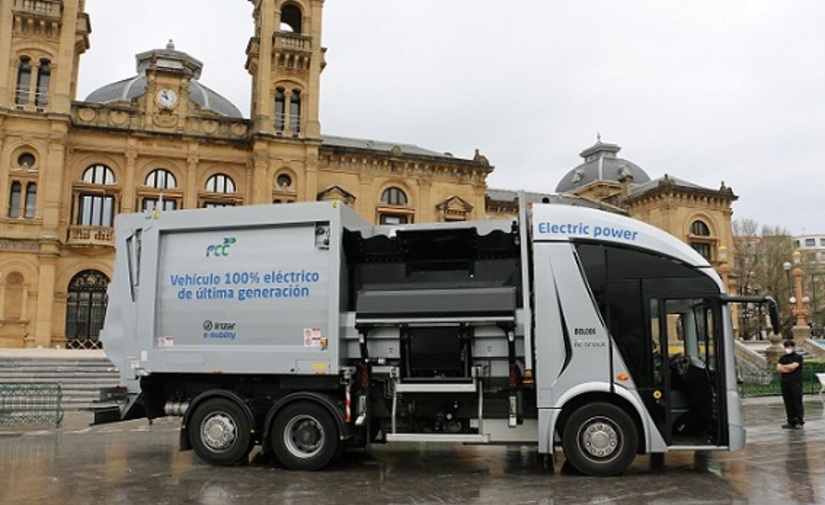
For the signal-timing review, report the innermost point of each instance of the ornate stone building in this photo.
(697, 215)
(162, 139)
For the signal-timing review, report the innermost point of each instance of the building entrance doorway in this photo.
(86, 309)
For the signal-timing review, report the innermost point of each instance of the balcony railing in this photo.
(292, 42)
(48, 8)
(91, 236)
(253, 47)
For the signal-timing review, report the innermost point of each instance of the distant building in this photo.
(812, 248)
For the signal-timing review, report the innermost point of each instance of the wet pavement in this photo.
(134, 463)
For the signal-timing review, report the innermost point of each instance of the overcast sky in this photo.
(704, 90)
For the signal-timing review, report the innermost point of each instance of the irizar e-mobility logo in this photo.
(220, 250)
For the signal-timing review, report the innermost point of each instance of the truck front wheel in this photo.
(304, 436)
(600, 439)
(220, 433)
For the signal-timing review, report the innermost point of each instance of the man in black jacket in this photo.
(790, 366)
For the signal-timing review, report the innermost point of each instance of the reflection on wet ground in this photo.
(131, 463)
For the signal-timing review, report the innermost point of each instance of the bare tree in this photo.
(760, 253)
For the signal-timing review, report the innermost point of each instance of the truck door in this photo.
(664, 318)
(686, 398)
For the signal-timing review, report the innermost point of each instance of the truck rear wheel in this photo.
(219, 432)
(600, 439)
(304, 436)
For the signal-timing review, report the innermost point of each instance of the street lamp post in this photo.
(815, 320)
(774, 350)
(787, 268)
(797, 308)
(799, 301)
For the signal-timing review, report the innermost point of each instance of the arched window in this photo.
(31, 200)
(285, 189)
(220, 183)
(14, 199)
(96, 205)
(13, 297)
(280, 109)
(291, 18)
(216, 185)
(283, 180)
(700, 229)
(394, 196)
(44, 74)
(701, 240)
(85, 309)
(24, 78)
(392, 209)
(26, 160)
(160, 180)
(99, 174)
(295, 111)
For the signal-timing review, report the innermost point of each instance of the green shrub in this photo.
(815, 366)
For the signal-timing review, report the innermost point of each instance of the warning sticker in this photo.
(312, 337)
(164, 342)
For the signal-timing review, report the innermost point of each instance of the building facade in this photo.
(812, 248)
(161, 139)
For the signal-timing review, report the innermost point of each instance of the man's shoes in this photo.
(797, 426)
(788, 426)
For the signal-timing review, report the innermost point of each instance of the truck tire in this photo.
(219, 432)
(304, 436)
(600, 439)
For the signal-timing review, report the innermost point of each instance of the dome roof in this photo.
(601, 164)
(171, 60)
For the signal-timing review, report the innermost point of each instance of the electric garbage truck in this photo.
(306, 330)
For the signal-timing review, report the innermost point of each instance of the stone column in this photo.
(190, 196)
(424, 206)
(129, 202)
(723, 268)
(46, 284)
(259, 176)
(366, 198)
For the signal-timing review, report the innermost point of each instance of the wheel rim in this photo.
(304, 436)
(600, 438)
(219, 431)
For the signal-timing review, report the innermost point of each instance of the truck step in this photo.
(105, 414)
(449, 387)
(438, 437)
